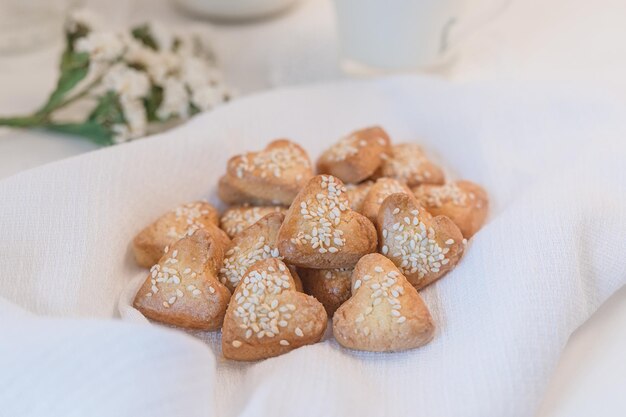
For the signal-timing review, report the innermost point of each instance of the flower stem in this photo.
(24, 121)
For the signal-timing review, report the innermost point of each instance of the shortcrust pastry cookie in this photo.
(356, 194)
(149, 244)
(409, 164)
(382, 188)
(385, 313)
(423, 247)
(182, 288)
(321, 231)
(236, 219)
(268, 177)
(464, 202)
(331, 287)
(356, 156)
(268, 317)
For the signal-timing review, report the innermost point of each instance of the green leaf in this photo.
(90, 130)
(108, 111)
(152, 102)
(74, 68)
(144, 35)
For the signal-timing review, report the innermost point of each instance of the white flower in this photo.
(136, 121)
(197, 73)
(82, 17)
(158, 65)
(207, 97)
(175, 100)
(102, 46)
(127, 82)
(162, 36)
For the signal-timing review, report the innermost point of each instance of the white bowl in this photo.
(234, 9)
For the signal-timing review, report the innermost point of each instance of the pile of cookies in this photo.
(353, 243)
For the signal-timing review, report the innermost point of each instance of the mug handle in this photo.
(458, 30)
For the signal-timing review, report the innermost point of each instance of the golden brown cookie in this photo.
(268, 317)
(236, 219)
(356, 194)
(149, 244)
(423, 247)
(382, 189)
(255, 243)
(356, 156)
(331, 287)
(183, 289)
(320, 230)
(272, 176)
(464, 202)
(385, 313)
(409, 164)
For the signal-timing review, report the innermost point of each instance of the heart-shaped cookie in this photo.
(409, 164)
(149, 244)
(267, 317)
(269, 177)
(255, 243)
(464, 202)
(382, 188)
(321, 231)
(356, 194)
(236, 219)
(183, 289)
(423, 247)
(331, 287)
(356, 156)
(385, 313)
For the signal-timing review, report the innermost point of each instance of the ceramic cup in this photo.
(234, 9)
(405, 35)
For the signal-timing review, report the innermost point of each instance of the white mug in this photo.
(404, 35)
(234, 9)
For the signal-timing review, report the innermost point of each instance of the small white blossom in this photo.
(102, 46)
(127, 82)
(136, 121)
(82, 17)
(207, 97)
(162, 36)
(175, 100)
(197, 73)
(158, 65)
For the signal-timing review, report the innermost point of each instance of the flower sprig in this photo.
(133, 81)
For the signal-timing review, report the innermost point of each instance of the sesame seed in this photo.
(299, 332)
(236, 343)
(413, 247)
(449, 241)
(378, 269)
(357, 284)
(284, 342)
(438, 196)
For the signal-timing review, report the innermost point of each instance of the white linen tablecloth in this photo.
(552, 252)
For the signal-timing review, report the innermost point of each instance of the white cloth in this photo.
(551, 253)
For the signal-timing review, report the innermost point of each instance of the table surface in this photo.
(555, 40)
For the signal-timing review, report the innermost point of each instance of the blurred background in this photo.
(266, 44)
